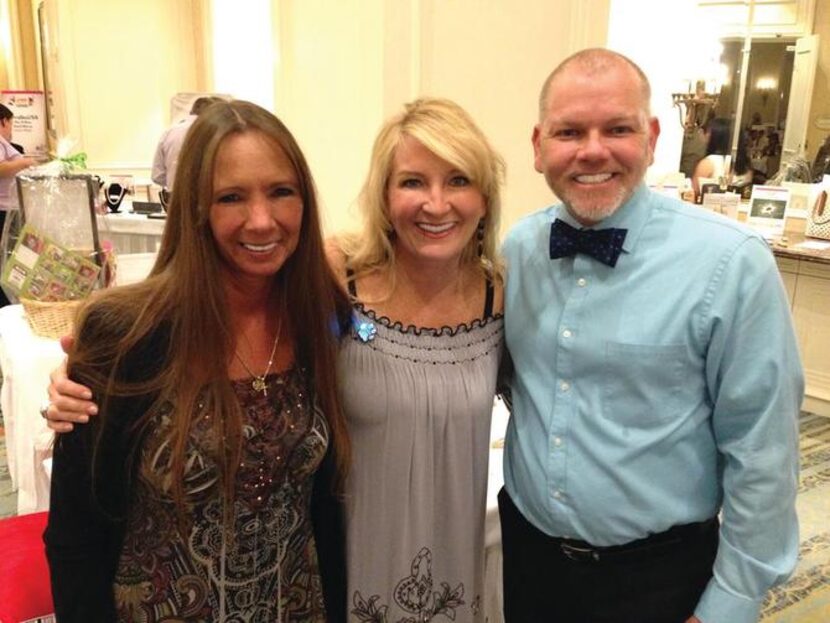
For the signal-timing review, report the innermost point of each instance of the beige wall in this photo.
(492, 57)
(340, 69)
(345, 66)
(116, 65)
(329, 91)
(820, 108)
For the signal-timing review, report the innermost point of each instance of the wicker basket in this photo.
(52, 320)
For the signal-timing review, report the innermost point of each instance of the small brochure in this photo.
(768, 209)
(40, 269)
(722, 203)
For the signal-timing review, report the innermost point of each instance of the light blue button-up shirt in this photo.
(658, 392)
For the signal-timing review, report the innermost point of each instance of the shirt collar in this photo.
(632, 215)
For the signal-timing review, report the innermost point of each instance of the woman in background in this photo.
(417, 370)
(189, 497)
(12, 162)
(714, 165)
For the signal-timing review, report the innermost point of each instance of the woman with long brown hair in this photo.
(190, 495)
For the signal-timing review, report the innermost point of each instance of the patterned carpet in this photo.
(804, 599)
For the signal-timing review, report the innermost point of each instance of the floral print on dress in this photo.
(414, 594)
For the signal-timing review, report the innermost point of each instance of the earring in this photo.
(480, 237)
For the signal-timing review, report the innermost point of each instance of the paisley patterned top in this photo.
(418, 404)
(264, 566)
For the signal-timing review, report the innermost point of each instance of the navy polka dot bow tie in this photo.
(601, 244)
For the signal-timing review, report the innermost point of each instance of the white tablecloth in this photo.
(493, 599)
(129, 232)
(26, 361)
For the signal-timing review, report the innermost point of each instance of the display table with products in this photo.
(805, 270)
(129, 232)
(26, 361)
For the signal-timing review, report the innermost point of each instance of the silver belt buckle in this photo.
(579, 553)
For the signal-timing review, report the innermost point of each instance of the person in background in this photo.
(169, 146)
(204, 490)
(12, 162)
(656, 383)
(417, 370)
(821, 164)
(713, 166)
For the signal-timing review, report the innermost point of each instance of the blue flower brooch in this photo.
(365, 330)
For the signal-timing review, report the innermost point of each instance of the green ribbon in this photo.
(75, 161)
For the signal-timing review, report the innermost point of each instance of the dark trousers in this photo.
(659, 580)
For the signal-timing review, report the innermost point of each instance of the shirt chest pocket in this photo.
(643, 385)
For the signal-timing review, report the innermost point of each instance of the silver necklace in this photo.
(258, 382)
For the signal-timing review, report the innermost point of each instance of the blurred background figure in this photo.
(12, 161)
(170, 144)
(821, 165)
(714, 165)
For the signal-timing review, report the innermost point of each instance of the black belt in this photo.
(583, 551)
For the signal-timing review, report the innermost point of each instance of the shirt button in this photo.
(567, 333)
(582, 282)
(565, 386)
(557, 495)
(557, 441)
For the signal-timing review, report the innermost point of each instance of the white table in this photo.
(26, 360)
(129, 232)
(493, 598)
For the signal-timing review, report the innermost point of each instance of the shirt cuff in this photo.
(717, 605)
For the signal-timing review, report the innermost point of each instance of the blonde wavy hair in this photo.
(445, 129)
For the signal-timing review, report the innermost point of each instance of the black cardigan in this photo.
(85, 533)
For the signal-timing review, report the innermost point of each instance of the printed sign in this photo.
(768, 209)
(29, 122)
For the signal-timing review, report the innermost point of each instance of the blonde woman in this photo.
(417, 373)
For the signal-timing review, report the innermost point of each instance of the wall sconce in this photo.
(765, 86)
(697, 105)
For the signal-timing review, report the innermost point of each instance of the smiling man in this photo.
(656, 383)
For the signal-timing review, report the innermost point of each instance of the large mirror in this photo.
(763, 96)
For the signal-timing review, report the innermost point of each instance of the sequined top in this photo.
(418, 404)
(264, 566)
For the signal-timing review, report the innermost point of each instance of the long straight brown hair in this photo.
(183, 298)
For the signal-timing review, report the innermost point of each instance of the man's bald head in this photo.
(592, 61)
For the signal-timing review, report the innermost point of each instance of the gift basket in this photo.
(52, 256)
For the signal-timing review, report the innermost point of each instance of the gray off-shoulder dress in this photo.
(418, 403)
